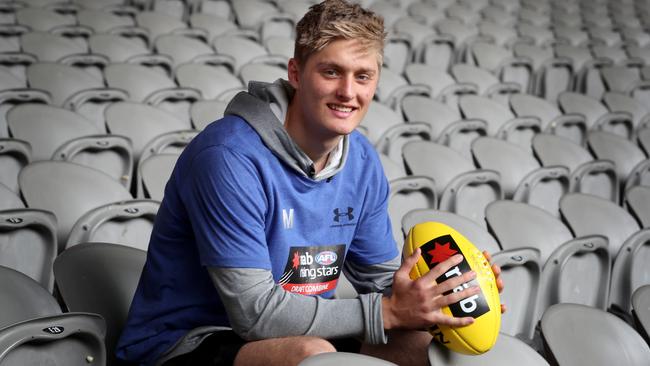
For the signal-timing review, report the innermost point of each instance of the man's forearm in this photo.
(258, 308)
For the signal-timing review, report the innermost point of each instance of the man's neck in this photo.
(317, 148)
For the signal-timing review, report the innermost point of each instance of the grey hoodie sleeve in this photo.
(258, 308)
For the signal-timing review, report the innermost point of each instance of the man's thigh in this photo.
(281, 351)
(405, 348)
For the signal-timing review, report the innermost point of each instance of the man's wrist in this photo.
(386, 313)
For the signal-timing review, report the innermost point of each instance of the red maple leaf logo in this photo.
(296, 260)
(441, 252)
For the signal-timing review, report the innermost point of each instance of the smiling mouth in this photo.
(340, 108)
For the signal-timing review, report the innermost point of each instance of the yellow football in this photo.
(438, 242)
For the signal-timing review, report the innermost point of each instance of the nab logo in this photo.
(53, 330)
(338, 214)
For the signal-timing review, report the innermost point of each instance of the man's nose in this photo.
(345, 89)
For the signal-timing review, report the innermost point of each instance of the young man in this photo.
(265, 209)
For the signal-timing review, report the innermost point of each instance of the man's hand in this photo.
(416, 304)
(497, 275)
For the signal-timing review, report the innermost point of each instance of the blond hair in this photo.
(337, 19)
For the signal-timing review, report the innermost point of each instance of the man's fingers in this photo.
(442, 267)
(409, 262)
(454, 282)
(455, 297)
(444, 319)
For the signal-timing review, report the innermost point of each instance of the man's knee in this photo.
(309, 346)
(282, 351)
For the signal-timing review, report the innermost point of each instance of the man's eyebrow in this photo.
(334, 65)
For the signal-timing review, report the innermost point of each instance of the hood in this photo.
(264, 107)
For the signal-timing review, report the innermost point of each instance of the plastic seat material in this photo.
(24, 298)
(158, 24)
(262, 72)
(392, 169)
(119, 49)
(628, 244)
(587, 174)
(487, 83)
(184, 49)
(407, 194)
(242, 50)
(522, 177)
(213, 82)
(580, 335)
(551, 74)
(460, 187)
(507, 351)
(204, 112)
(596, 114)
(522, 266)
(637, 200)
(74, 89)
(570, 125)
(145, 85)
(14, 155)
(213, 24)
(501, 61)
(443, 87)
(338, 358)
(59, 134)
(641, 310)
(587, 79)
(379, 119)
(29, 243)
(625, 154)
(617, 102)
(141, 123)
(9, 199)
(68, 190)
(100, 278)
(447, 125)
(127, 223)
(574, 270)
(392, 88)
(74, 339)
(501, 122)
(154, 172)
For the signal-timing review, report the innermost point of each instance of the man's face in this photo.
(334, 87)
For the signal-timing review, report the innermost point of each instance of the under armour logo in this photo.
(338, 214)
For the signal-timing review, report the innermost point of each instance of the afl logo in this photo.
(326, 258)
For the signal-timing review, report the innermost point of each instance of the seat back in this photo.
(406, 194)
(68, 190)
(507, 351)
(641, 310)
(580, 335)
(128, 223)
(23, 298)
(28, 243)
(74, 339)
(100, 278)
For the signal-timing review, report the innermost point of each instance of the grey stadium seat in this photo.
(508, 351)
(460, 187)
(579, 335)
(60, 134)
(574, 269)
(128, 223)
(14, 155)
(641, 310)
(638, 202)
(587, 174)
(100, 278)
(522, 178)
(628, 245)
(28, 243)
(68, 190)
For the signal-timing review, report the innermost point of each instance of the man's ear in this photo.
(293, 72)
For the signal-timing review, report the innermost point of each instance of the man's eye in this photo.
(330, 73)
(363, 77)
